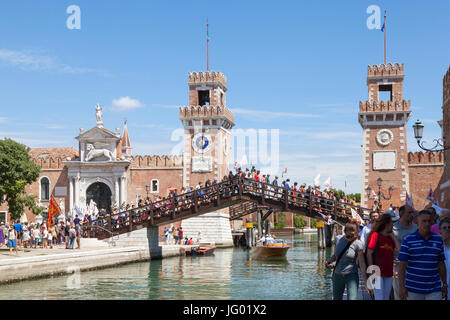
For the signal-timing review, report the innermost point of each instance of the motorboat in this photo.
(267, 247)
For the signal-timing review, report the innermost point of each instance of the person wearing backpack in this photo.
(349, 250)
(381, 244)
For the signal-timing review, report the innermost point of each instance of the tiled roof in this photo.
(63, 153)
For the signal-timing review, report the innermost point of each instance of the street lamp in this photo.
(380, 193)
(418, 134)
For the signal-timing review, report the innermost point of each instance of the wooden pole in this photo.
(207, 45)
(385, 27)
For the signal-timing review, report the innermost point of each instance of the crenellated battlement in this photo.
(428, 157)
(207, 76)
(388, 69)
(383, 106)
(50, 162)
(446, 86)
(157, 162)
(206, 112)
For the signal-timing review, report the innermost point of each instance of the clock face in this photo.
(201, 142)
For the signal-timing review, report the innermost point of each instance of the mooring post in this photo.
(320, 234)
(249, 226)
(259, 212)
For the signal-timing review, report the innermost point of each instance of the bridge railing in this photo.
(192, 202)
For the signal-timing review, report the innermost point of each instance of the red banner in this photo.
(53, 211)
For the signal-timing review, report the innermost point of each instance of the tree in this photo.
(17, 170)
(280, 221)
(299, 221)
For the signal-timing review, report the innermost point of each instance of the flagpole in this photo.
(207, 45)
(385, 27)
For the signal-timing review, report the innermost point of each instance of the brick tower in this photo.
(207, 123)
(384, 136)
(445, 186)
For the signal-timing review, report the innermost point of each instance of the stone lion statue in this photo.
(96, 153)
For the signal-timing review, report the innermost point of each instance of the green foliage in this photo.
(341, 194)
(280, 221)
(299, 221)
(313, 223)
(17, 171)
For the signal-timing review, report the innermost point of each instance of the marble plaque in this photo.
(60, 191)
(201, 164)
(384, 160)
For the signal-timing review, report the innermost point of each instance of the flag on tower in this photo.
(317, 180)
(236, 165)
(327, 184)
(430, 195)
(53, 211)
(284, 171)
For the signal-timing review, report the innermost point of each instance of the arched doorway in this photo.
(100, 194)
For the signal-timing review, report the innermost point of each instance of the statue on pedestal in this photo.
(99, 115)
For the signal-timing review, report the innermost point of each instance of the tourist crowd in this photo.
(404, 256)
(21, 235)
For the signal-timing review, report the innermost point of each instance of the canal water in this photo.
(228, 274)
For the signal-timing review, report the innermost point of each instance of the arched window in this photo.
(45, 189)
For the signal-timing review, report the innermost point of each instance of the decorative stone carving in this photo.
(94, 153)
(385, 137)
(99, 115)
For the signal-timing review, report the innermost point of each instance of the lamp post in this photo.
(380, 193)
(147, 188)
(418, 134)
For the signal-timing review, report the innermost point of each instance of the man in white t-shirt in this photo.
(366, 230)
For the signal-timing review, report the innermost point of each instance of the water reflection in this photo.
(228, 274)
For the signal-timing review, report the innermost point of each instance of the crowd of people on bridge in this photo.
(404, 256)
(254, 182)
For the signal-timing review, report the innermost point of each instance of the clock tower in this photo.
(385, 158)
(207, 124)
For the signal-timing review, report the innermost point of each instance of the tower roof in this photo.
(125, 137)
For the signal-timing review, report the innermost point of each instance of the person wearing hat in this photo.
(402, 228)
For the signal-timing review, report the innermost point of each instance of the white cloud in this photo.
(30, 61)
(125, 103)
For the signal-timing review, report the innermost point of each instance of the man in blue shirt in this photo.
(18, 227)
(422, 266)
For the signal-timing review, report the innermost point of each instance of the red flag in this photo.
(430, 195)
(53, 211)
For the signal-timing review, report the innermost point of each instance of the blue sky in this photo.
(296, 66)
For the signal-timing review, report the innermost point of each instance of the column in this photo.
(123, 185)
(76, 191)
(116, 191)
(71, 194)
